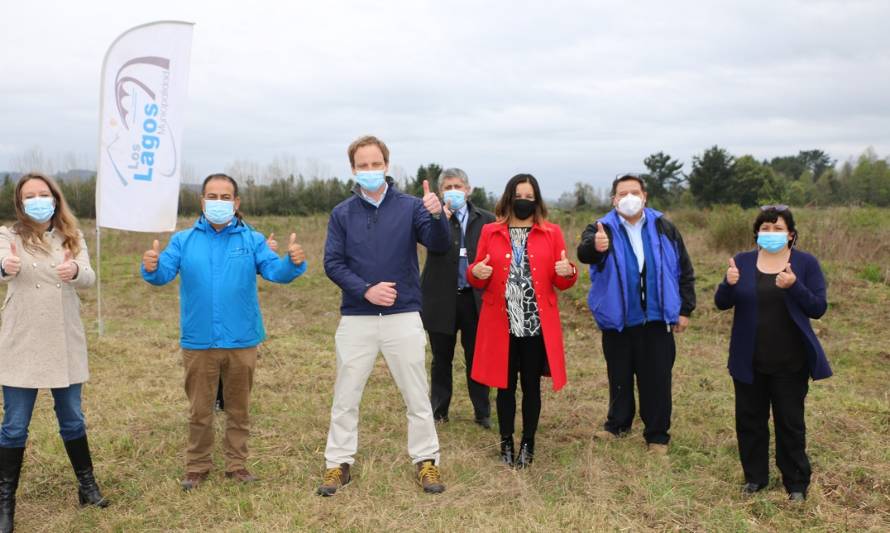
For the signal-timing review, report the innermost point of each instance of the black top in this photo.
(779, 346)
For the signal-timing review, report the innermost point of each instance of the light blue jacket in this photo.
(218, 302)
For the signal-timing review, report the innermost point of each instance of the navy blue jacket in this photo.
(805, 300)
(609, 290)
(366, 245)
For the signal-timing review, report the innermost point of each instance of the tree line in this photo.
(716, 177)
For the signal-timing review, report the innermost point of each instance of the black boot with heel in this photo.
(10, 469)
(507, 452)
(87, 490)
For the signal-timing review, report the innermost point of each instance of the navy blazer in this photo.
(805, 300)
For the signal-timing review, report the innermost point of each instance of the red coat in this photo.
(544, 247)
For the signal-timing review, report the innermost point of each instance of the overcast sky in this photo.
(569, 91)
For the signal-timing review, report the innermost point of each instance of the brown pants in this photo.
(203, 369)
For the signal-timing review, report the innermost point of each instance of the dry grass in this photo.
(136, 411)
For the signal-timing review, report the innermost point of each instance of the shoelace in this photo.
(332, 476)
(429, 471)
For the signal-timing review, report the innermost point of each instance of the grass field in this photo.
(136, 411)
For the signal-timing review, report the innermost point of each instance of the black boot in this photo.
(526, 453)
(507, 450)
(10, 468)
(87, 491)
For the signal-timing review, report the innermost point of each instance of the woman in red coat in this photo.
(523, 257)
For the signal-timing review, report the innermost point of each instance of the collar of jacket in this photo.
(357, 191)
(613, 219)
(204, 225)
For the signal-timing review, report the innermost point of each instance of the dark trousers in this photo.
(442, 345)
(785, 393)
(528, 360)
(647, 352)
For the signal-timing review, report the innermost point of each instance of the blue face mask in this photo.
(772, 241)
(457, 199)
(219, 211)
(40, 209)
(370, 180)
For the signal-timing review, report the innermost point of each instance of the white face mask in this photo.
(630, 205)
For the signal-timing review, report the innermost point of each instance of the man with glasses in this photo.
(371, 254)
(449, 303)
(642, 292)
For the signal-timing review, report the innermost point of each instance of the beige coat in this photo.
(42, 342)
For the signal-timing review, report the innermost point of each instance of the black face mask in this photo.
(522, 208)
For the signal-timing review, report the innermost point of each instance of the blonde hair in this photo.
(367, 140)
(62, 220)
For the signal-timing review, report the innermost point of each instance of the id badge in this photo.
(463, 252)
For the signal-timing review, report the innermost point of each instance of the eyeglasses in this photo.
(777, 207)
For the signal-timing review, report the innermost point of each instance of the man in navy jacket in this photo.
(642, 290)
(371, 254)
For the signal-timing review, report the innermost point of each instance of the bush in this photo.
(729, 228)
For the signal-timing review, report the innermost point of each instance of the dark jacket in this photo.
(366, 245)
(805, 300)
(608, 296)
(438, 284)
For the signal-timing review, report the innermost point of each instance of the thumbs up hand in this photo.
(447, 209)
(68, 269)
(150, 257)
(295, 251)
(786, 278)
(481, 269)
(272, 243)
(732, 273)
(12, 264)
(601, 239)
(564, 267)
(430, 200)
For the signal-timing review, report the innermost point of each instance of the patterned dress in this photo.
(522, 306)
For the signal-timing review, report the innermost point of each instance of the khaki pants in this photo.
(402, 340)
(203, 369)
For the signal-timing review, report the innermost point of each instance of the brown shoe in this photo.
(657, 449)
(242, 476)
(429, 477)
(334, 478)
(192, 480)
(604, 434)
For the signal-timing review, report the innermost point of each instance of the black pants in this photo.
(442, 345)
(647, 351)
(786, 394)
(528, 361)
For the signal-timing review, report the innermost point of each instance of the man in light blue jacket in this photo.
(218, 260)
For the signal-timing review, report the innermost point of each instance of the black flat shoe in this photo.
(526, 454)
(751, 488)
(507, 452)
(484, 422)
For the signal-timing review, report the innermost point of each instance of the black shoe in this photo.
(440, 419)
(507, 452)
(87, 491)
(751, 488)
(485, 422)
(526, 453)
(10, 468)
(797, 496)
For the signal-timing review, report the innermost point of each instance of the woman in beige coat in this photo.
(43, 259)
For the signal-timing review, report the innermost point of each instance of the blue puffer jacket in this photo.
(608, 295)
(367, 245)
(218, 302)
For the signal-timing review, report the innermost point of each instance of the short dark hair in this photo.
(504, 208)
(626, 177)
(771, 214)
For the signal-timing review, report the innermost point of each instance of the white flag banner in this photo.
(143, 99)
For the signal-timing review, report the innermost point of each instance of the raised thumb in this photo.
(788, 269)
(732, 262)
(68, 256)
(485, 261)
(271, 237)
(293, 239)
(599, 227)
(426, 187)
(13, 249)
(563, 258)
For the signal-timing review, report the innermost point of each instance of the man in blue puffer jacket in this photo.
(371, 254)
(218, 260)
(642, 291)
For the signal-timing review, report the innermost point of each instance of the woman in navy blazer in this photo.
(775, 289)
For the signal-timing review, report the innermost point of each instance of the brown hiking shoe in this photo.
(658, 449)
(242, 476)
(192, 480)
(429, 477)
(604, 434)
(334, 478)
